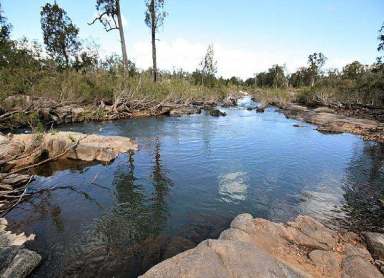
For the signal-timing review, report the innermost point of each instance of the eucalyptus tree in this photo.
(208, 65)
(110, 17)
(381, 39)
(154, 18)
(380, 47)
(60, 34)
(5, 27)
(315, 62)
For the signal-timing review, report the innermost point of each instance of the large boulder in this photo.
(25, 149)
(255, 247)
(216, 113)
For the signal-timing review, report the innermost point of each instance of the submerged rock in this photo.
(15, 260)
(216, 113)
(254, 247)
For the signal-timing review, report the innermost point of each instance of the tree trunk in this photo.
(122, 38)
(153, 29)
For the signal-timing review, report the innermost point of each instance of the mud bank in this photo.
(254, 247)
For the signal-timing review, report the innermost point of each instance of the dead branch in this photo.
(73, 147)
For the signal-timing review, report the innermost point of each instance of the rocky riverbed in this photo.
(255, 247)
(329, 121)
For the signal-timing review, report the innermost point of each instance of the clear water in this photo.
(191, 176)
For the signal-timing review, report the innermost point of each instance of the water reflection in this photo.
(233, 186)
(364, 189)
(128, 239)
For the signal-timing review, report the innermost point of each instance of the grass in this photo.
(277, 96)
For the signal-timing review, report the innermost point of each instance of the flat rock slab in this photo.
(26, 149)
(329, 121)
(255, 247)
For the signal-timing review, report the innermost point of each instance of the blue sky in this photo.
(248, 35)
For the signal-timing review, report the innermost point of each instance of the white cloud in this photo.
(232, 61)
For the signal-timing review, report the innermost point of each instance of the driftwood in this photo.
(11, 198)
(74, 146)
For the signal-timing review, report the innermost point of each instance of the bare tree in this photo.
(154, 18)
(110, 16)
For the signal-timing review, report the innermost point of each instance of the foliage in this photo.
(315, 62)
(108, 14)
(60, 34)
(5, 28)
(155, 14)
(208, 69)
(275, 77)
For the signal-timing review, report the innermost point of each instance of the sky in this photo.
(248, 35)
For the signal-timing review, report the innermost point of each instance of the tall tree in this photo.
(315, 62)
(208, 64)
(380, 47)
(381, 39)
(110, 16)
(60, 34)
(5, 28)
(154, 18)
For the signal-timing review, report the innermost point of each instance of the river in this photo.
(190, 177)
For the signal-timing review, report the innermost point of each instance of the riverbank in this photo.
(30, 112)
(255, 247)
(329, 120)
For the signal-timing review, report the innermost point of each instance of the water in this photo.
(191, 176)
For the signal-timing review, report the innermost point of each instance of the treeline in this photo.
(71, 69)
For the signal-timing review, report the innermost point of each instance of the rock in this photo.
(308, 232)
(187, 110)
(21, 265)
(14, 179)
(353, 250)
(357, 267)
(15, 261)
(260, 110)
(78, 114)
(214, 258)
(375, 243)
(87, 148)
(324, 109)
(216, 113)
(380, 265)
(230, 101)
(10, 239)
(255, 247)
(328, 121)
(328, 261)
(249, 108)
